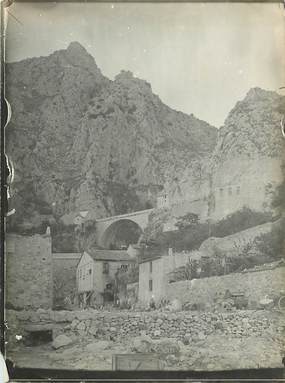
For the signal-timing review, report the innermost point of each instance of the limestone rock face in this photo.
(79, 141)
(246, 166)
(252, 127)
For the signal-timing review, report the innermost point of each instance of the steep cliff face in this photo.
(247, 162)
(130, 139)
(252, 127)
(245, 167)
(48, 97)
(78, 140)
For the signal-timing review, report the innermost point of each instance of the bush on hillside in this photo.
(187, 220)
(272, 244)
(279, 198)
(240, 220)
(189, 238)
(192, 233)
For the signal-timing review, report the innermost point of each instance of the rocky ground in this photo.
(213, 341)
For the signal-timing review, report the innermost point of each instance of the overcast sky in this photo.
(199, 58)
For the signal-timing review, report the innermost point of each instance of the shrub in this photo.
(279, 198)
(240, 220)
(272, 244)
(189, 238)
(191, 233)
(187, 220)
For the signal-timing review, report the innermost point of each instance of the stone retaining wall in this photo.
(256, 285)
(187, 325)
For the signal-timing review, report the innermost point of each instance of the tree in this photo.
(279, 199)
(187, 220)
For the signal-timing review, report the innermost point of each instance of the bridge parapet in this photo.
(125, 216)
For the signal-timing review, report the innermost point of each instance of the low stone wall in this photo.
(255, 285)
(186, 326)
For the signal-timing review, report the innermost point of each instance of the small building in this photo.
(154, 271)
(95, 274)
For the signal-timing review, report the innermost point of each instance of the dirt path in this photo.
(213, 353)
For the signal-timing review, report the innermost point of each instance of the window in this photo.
(150, 284)
(80, 273)
(90, 271)
(150, 267)
(105, 268)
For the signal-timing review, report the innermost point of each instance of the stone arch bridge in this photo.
(107, 227)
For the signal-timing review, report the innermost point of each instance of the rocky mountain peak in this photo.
(252, 127)
(75, 46)
(80, 141)
(77, 56)
(127, 79)
(257, 93)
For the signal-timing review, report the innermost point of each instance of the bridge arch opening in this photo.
(120, 234)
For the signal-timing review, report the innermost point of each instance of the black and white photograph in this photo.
(145, 225)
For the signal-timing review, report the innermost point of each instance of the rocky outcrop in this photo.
(246, 165)
(79, 141)
(247, 162)
(252, 127)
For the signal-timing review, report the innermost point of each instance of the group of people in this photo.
(163, 303)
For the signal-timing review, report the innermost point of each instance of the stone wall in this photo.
(226, 188)
(256, 285)
(239, 182)
(121, 325)
(28, 271)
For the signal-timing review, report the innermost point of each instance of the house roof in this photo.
(66, 255)
(110, 255)
(150, 254)
(150, 259)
